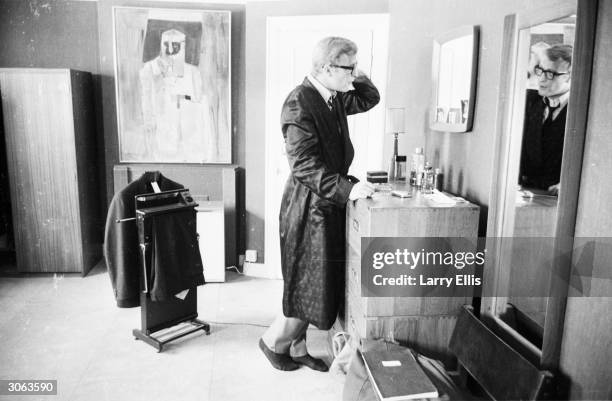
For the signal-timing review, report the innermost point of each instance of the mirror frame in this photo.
(497, 277)
(435, 74)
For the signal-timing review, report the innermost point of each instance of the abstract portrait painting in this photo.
(172, 76)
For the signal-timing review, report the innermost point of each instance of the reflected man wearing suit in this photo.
(545, 116)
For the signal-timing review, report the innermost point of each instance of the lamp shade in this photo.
(395, 120)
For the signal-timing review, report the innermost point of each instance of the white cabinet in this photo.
(211, 229)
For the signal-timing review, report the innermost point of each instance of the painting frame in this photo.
(173, 85)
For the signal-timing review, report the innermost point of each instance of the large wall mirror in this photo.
(541, 125)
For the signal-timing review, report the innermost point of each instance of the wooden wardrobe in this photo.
(49, 129)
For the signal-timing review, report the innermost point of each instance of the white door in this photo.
(290, 41)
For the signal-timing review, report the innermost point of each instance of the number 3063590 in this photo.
(8, 387)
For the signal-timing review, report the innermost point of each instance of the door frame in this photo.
(378, 25)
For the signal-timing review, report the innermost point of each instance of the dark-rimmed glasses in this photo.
(349, 68)
(549, 75)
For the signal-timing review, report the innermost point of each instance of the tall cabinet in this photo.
(49, 129)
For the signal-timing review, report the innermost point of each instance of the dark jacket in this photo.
(121, 239)
(176, 264)
(542, 146)
(312, 213)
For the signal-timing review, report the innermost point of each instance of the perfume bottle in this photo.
(400, 168)
(428, 179)
(438, 179)
(416, 169)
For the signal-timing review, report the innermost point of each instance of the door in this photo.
(290, 41)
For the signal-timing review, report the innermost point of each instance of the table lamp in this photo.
(395, 126)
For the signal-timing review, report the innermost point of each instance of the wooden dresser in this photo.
(49, 127)
(424, 323)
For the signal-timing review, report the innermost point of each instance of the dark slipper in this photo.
(311, 362)
(279, 361)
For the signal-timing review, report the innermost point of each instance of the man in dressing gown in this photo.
(312, 214)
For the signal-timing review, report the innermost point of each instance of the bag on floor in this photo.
(343, 350)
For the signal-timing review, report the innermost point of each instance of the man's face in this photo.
(340, 79)
(560, 83)
(172, 47)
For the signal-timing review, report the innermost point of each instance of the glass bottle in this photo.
(400, 168)
(428, 179)
(416, 169)
(438, 179)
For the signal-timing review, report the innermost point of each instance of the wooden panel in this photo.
(87, 169)
(418, 217)
(493, 273)
(571, 168)
(498, 368)
(424, 323)
(38, 122)
(586, 350)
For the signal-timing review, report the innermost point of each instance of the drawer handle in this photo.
(355, 224)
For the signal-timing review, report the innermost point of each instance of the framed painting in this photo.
(172, 77)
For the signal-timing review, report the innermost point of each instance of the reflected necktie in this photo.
(550, 113)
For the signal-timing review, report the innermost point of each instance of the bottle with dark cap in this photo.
(400, 168)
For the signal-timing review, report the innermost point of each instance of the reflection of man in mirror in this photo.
(545, 114)
(171, 96)
(537, 52)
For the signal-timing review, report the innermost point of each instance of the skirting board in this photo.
(257, 270)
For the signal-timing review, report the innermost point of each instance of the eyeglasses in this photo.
(549, 75)
(349, 68)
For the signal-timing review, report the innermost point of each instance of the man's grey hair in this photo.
(557, 53)
(329, 50)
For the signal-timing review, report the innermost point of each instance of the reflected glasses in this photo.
(549, 75)
(349, 68)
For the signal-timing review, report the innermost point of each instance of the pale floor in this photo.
(68, 328)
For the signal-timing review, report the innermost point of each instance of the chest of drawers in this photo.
(424, 323)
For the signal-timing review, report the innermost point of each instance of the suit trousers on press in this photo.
(287, 335)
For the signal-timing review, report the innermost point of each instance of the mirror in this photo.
(544, 93)
(454, 67)
(548, 49)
